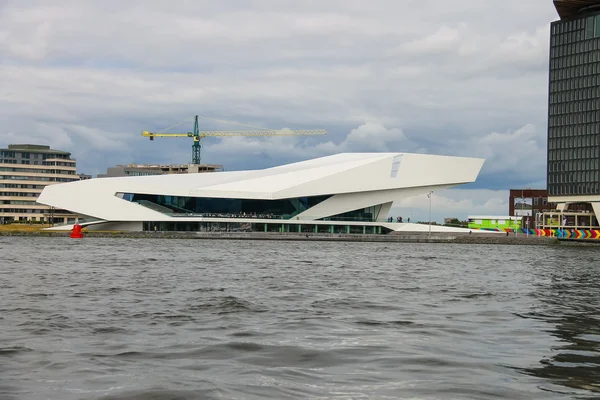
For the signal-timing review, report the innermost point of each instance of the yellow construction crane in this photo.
(197, 134)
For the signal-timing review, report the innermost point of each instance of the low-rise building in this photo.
(25, 170)
(500, 223)
(157, 169)
(536, 211)
(528, 204)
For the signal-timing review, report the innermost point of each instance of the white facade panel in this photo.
(344, 202)
(270, 183)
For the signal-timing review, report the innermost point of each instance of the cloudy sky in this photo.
(461, 77)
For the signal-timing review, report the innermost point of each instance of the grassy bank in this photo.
(22, 227)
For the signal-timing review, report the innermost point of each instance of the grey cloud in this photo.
(427, 75)
(521, 153)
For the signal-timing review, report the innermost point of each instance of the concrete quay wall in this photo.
(489, 239)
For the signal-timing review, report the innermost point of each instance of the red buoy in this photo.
(76, 232)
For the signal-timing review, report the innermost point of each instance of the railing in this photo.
(332, 236)
(231, 215)
(254, 216)
(178, 214)
(567, 220)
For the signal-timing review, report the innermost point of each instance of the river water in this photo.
(203, 319)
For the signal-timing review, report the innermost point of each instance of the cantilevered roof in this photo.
(570, 8)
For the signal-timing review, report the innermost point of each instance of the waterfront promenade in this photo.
(405, 237)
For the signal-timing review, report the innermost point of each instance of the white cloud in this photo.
(369, 136)
(443, 40)
(41, 133)
(453, 203)
(372, 136)
(521, 151)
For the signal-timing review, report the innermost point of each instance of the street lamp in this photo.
(429, 197)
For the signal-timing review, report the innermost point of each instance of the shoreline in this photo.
(476, 238)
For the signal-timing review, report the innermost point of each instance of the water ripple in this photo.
(116, 319)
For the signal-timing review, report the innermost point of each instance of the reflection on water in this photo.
(570, 303)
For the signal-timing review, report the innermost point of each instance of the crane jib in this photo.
(197, 134)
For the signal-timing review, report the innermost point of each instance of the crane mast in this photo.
(197, 135)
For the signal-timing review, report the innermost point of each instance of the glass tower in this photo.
(574, 100)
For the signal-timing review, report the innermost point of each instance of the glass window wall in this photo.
(225, 208)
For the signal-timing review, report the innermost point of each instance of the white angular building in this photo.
(343, 193)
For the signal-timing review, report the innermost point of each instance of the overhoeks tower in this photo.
(574, 112)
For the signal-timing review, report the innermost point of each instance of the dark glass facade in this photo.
(226, 208)
(368, 214)
(183, 206)
(574, 107)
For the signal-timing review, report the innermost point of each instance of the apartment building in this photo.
(25, 170)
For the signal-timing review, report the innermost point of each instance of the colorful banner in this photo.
(582, 234)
